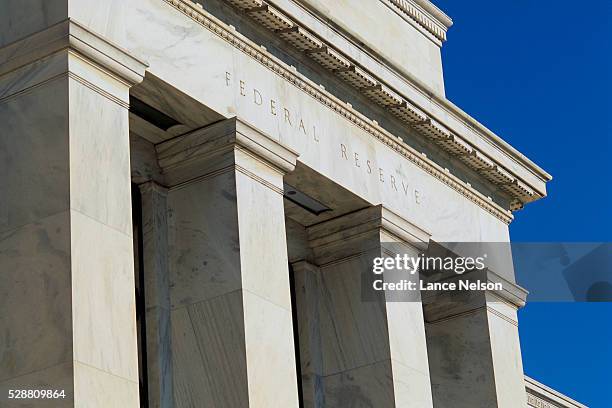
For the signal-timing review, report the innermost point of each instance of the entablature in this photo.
(434, 118)
(542, 396)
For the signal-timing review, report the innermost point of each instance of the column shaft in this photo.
(307, 279)
(66, 256)
(156, 290)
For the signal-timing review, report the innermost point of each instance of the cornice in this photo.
(438, 14)
(405, 109)
(425, 123)
(73, 36)
(542, 396)
(425, 14)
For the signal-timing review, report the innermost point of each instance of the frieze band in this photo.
(343, 109)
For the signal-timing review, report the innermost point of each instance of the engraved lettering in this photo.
(257, 97)
(413, 194)
(393, 183)
(302, 126)
(287, 116)
(273, 107)
(343, 149)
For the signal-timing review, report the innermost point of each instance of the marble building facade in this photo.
(191, 191)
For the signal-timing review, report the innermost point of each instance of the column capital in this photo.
(371, 219)
(439, 305)
(230, 142)
(153, 187)
(364, 230)
(74, 37)
(304, 266)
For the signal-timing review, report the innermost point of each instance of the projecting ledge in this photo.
(202, 149)
(74, 36)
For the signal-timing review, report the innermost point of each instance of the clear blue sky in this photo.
(539, 74)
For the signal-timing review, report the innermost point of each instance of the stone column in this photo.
(232, 333)
(473, 345)
(156, 291)
(307, 278)
(66, 258)
(362, 348)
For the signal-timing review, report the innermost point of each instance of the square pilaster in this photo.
(232, 332)
(66, 257)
